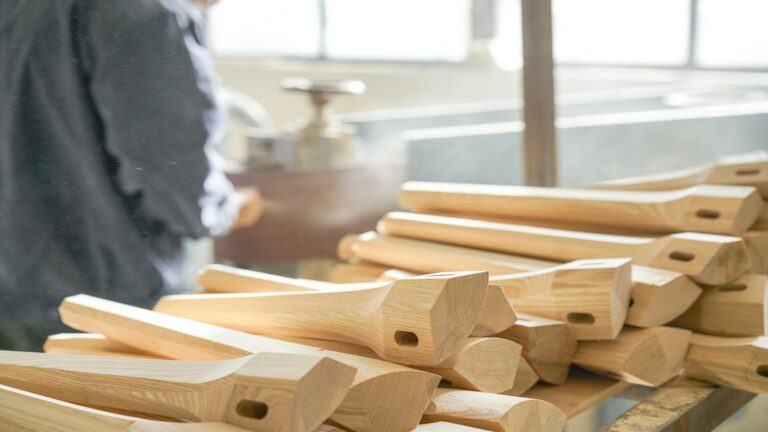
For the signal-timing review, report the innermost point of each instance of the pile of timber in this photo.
(488, 308)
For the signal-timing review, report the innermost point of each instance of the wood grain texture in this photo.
(678, 409)
(647, 357)
(484, 364)
(740, 363)
(757, 245)
(583, 390)
(590, 296)
(736, 309)
(373, 403)
(22, 411)
(548, 345)
(746, 169)
(419, 321)
(496, 315)
(91, 344)
(714, 209)
(525, 379)
(658, 296)
(708, 259)
(263, 391)
(493, 411)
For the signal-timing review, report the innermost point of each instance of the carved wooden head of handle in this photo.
(436, 312)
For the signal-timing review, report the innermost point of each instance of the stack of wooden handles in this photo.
(447, 319)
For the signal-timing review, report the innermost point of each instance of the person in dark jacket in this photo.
(107, 118)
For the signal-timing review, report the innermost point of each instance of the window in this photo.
(726, 33)
(732, 33)
(395, 30)
(258, 28)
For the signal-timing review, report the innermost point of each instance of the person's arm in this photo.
(153, 85)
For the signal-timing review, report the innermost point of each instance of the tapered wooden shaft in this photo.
(715, 209)
(22, 411)
(525, 379)
(747, 169)
(647, 357)
(658, 296)
(740, 363)
(373, 403)
(737, 309)
(548, 345)
(497, 313)
(709, 259)
(264, 391)
(494, 412)
(486, 364)
(91, 344)
(419, 321)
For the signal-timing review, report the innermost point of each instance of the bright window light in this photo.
(733, 33)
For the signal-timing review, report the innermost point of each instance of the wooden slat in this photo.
(681, 409)
(583, 390)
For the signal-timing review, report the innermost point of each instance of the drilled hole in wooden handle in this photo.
(762, 370)
(747, 172)
(445, 383)
(631, 302)
(733, 287)
(406, 338)
(252, 409)
(707, 214)
(581, 318)
(682, 256)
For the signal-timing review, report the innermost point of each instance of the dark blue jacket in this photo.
(107, 116)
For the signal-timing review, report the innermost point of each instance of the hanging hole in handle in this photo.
(631, 302)
(582, 318)
(682, 256)
(707, 214)
(762, 370)
(445, 383)
(747, 172)
(732, 287)
(252, 409)
(406, 338)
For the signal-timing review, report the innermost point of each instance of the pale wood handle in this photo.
(647, 357)
(181, 338)
(213, 390)
(22, 411)
(748, 169)
(709, 259)
(485, 364)
(736, 309)
(548, 345)
(740, 363)
(715, 209)
(494, 412)
(383, 317)
(658, 296)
